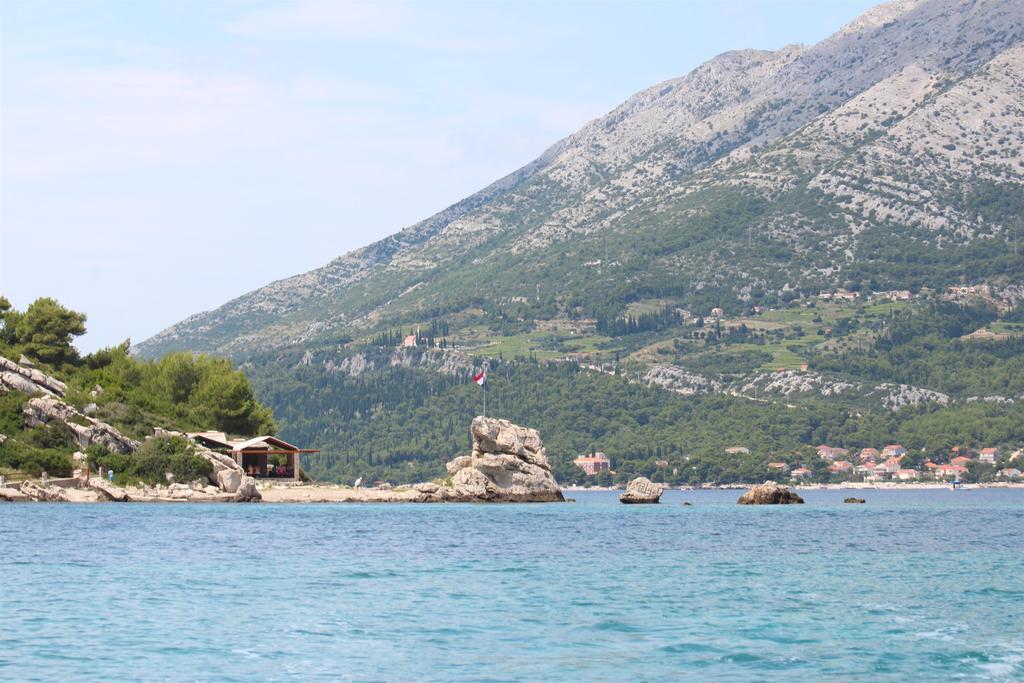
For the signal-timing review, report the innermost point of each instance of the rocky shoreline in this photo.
(508, 464)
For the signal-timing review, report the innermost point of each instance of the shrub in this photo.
(11, 417)
(34, 461)
(152, 461)
(50, 436)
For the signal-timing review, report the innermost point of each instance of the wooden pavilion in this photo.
(259, 456)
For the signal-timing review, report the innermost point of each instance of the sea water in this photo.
(913, 585)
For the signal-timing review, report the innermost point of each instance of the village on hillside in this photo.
(893, 463)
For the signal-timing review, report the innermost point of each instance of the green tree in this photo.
(226, 401)
(177, 376)
(46, 329)
(8, 323)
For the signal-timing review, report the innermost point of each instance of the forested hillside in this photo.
(399, 415)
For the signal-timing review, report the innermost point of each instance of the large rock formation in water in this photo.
(769, 493)
(508, 463)
(641, 490)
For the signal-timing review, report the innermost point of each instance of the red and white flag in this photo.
(481, 378)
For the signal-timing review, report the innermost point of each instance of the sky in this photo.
(158, 159)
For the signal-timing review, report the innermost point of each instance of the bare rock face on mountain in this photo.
(508, 464)
(769, 493)
(887, 121)
(87, 431)
(641, 490)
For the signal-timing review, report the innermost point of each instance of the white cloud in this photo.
(486, 28)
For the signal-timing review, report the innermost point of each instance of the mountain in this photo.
(816, 209)
(756, 171)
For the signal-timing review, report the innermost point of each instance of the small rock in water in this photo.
(641, 490)
(854, 500)
(769, 493)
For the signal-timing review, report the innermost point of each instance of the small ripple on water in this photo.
(617, 626)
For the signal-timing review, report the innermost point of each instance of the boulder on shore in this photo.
(247, 492)
(854, 500)
(641, 491)
(508, 464)
(108, 491)
(770, 493)
(12, 495)
(34, 491)
(229, 480)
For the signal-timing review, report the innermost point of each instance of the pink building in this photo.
(592, 464)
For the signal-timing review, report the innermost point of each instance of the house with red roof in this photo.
(961, 460)
(801, 473)
(908, 475)
(1008, 473)
(892, 465)
(949, 471)
(894, 450)
(868, 454)
(988, 455)
(840, 466)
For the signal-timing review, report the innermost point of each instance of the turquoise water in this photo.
(915, 585)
